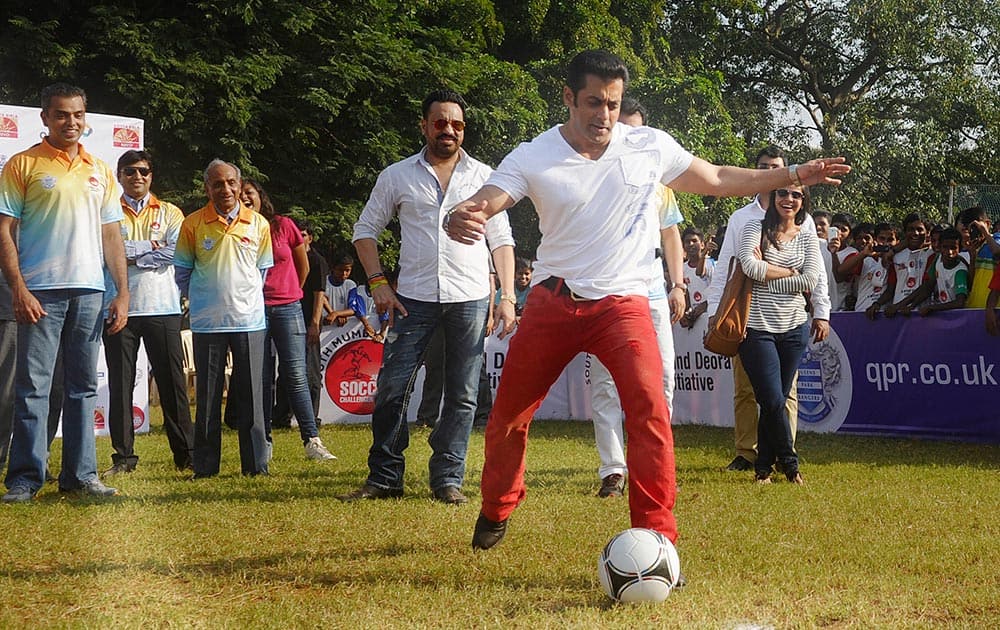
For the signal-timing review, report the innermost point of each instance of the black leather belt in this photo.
(558, 286)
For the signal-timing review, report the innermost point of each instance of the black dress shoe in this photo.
(369, 491)
(488, 533)
(450, 495)
(117, 469)
(740, 464)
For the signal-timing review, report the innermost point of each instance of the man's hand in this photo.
(27, 308)
(820, 330)
(677, 305)
(890, 311)
(387, 302)
(466, 222)
(117, 314)
(822, 171)
(505, 313)
(872, 311)
(312, 335)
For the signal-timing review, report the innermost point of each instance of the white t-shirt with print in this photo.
(595, 216)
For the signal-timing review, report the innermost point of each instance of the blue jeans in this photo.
(74, 321)
(286, 333)
(771, 361)
(464, 324)
(210, 362)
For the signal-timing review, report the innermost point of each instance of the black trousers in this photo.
(162, 338)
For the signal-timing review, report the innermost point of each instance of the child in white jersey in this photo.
(908, 266)
(338, 286)
(698, 271)
(946, 280)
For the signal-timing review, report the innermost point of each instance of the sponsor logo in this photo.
(94, 183)
(208, 244)
(911, 282)
(697, 297)
(824, 387)
(48, 182)
(138, 418)
(125, 137)
(352, 375)
(8, 126)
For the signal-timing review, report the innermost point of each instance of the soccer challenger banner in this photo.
(107, 137)
(922, 377)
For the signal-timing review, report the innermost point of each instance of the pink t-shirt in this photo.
(282, 283)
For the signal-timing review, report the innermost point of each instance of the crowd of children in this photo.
(918, 268)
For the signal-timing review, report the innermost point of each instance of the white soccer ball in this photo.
(638, 565)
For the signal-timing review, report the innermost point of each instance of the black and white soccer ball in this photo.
(639, 565)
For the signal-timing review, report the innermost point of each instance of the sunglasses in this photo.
(441, 124)
(132, 170)
(794, 194)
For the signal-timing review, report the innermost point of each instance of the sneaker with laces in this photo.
(612, 486)
(19, 494)
(316, 450)
(92, 488)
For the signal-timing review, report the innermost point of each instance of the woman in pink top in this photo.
(286, 329)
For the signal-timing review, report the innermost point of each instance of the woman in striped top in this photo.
(785, 264)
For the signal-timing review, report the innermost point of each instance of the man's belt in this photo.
(559, 287)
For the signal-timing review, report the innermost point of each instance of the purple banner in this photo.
(929, 377)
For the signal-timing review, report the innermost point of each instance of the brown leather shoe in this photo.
(487, 533)
(450, 495)
(369, 491)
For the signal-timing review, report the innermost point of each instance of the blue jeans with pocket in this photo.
(72, 321)
(464, 325)
(771, 361)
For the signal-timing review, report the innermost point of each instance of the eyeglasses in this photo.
(794, 194)
(441, 124)
(132, 170)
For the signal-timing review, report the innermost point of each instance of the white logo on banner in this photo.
(824, 387)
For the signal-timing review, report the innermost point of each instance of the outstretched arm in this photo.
(704, 178)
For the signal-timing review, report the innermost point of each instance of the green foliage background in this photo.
(316, 97)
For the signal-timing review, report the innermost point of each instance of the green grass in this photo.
(886, 533)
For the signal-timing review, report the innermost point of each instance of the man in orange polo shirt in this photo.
(59, 216)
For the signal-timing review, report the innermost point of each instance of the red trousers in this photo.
(619, 331)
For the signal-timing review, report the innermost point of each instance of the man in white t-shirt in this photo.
(593, 183)
(744, 400)
(665, 308)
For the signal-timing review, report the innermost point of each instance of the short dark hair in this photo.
(134, 157)
(442, 96)
(631, 107)
(914, 217)
(341, 258)
(886, 227)
(61, 90)
(771, 151)
(521, 263)
(692, 231)
(864, 228)
(305, 225)
(599, 63)
(842, 218)
(950, 234)
(974, 213)
(821, 214)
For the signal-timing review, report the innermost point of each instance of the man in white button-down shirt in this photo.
(440, 281)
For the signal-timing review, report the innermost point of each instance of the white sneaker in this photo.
(316, 450)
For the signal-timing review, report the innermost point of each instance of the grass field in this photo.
(886, 534)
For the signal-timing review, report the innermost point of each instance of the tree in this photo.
(906, 89)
